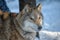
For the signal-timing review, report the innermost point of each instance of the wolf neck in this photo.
(18, 28)
(24, 34)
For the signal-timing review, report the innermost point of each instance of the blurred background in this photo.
(51, 12)
(13, 5)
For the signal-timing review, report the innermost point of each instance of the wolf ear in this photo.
(39, 7)
(26, 9)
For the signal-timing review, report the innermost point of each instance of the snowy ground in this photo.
(51, 13)
(48, 35)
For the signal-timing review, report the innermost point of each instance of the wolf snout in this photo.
(40, 27)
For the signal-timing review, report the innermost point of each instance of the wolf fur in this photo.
(24, 26)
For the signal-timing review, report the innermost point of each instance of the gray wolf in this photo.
(31, 21)
(24, 26)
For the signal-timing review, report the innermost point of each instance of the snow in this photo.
(47, 35)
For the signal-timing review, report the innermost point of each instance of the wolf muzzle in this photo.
(39, 28)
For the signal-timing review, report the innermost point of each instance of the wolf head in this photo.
(30, 19)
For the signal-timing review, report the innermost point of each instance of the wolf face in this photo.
(31, 19)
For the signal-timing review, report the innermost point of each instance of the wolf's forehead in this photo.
(36, 13)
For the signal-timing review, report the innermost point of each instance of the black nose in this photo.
(40, 27)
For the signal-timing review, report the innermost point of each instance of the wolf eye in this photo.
(39, 17)
(31, 18)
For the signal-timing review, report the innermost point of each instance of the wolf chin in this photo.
(24, 26)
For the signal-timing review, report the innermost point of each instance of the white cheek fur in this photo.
(30, 26)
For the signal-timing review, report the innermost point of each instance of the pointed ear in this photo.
(39, 7)
(26, 9)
